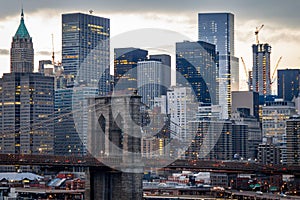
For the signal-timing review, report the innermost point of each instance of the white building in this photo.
(182, 107)
(151, 80)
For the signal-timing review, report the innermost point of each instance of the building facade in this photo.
(211, 140)
(67, 141)
(21, 52)
(26, 101)
(288, 83)
(197, 62)
(153, 80)
(182, 108)
(86, 50)
(218, 29)
(27, 125)
(254, 137)
(269, 153)
(125, 71)
(261, 80)
(246, 99)
(293, 140)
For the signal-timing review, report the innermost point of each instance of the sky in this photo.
(43, 18)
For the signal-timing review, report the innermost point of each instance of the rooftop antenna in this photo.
(91, 11)
(53, 56)
(22, 13)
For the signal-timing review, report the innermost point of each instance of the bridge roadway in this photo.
(197, 165)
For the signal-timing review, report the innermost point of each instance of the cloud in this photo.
(4, 52)
(284, 12)
(44, 53)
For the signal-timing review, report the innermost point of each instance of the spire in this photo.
(22, 14)
(22, 30)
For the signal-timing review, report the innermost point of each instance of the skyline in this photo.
(43, 19)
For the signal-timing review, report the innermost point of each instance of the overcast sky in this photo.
(42, 18)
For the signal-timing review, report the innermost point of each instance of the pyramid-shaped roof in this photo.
(22, 30)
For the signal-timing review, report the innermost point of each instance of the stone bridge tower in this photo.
(114, 138)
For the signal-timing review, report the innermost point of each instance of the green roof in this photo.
(22, 30)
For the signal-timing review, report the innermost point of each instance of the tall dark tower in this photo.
(21, 52)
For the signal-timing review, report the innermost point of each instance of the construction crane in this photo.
(245, 69)
(257, 31)
(275, 69)
(53, 56)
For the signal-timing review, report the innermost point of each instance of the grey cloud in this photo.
(266, 10)
(44, 53)
(4, 52)
(47, 53)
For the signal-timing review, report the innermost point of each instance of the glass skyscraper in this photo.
(197, 62)
(218, 29)
(125, 71)
(153, 80)
(85, 49)
(288, 83)
(67, 140)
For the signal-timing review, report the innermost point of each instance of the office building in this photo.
(43, 64)
(164, 58)
(288, 83)
(274, 118)
(275, 115)
(26, 100)
(261, 80)
(218, 29)
(240, 141)
(182, 108)
(21, 52)
(85, 50)
(269, 153)
(27, 112)
(67, 141)
(242, 116)
(293, 140)
(210, 140)
(125, 71)
(197, 63)
(246, 99)
(153, 80)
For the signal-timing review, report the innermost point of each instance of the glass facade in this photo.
(218, 29)
(197, 62)
(125, 71)
(288, 84)
(152, 80)
(85, 49)
(67, 140)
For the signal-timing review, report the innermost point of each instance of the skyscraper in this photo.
(288, 83)
(261, 69)
(26, 100)
(153, 80)
(66, 141)
(197, 63)
(26, 110)
(182, 108)
(85, 49)
(293, 140)
(125, 71)
(218, 29)
(21, 52)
